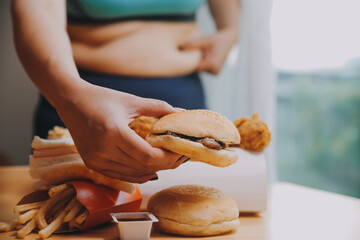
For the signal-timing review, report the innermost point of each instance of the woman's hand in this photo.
(98, 120)
(214, 48)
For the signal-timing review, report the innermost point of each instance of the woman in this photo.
(112, 62)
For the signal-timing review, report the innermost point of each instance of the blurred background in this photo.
(297, 63)
(316, 53)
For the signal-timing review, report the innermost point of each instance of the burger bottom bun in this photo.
(172, 227)
(194, 150)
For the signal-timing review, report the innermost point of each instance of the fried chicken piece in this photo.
(141, 125)
(58, 132)
(255, 135)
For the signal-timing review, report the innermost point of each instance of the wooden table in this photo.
(294, 212)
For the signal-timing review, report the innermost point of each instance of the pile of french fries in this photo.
(60, 212)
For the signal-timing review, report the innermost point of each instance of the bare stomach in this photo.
(147, 49)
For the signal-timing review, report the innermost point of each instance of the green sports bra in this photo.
(102, 11)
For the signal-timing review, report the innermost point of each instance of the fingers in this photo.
(155, 108)
(181, 160)
(133, 156)
(210, 64)
(214, 50)
(167, 160)
(132, 175)
(132, 179)
(106, 165)
(133, 145)
(198, 43)
(180, 109)
(143, 153)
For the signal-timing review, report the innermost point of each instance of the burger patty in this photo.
(206, 141)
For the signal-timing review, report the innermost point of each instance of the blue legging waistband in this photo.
(180, 91)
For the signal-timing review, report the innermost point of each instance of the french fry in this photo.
(82, 217)
(40, 217)
(26, 230)
(50, 217)
(5, 227)
(71, 204)
(45, 188)
(73, 225)
(13, 224)
(27, 206)
(73, 212)
(58, 189)
(58, 207)
(23, 218)
(20, 226)
(54, 225)
(62, 210)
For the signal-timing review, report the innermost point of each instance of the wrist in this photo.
(231, 33)
(67, 93)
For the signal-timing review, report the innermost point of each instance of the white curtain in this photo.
(246, 83)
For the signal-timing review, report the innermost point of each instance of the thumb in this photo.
(196, 43)
(156, 108)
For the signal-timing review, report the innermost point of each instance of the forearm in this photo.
(226, 15)
(44, 48)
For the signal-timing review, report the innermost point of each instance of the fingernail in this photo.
(186, 160)
(180, 158)
(154, 178)
(180, 109)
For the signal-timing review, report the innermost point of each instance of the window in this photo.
(316, 51)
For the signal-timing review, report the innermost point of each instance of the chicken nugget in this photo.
(141, 125)
(255, 135)
(58, 132)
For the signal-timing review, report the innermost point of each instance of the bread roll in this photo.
(193, 210)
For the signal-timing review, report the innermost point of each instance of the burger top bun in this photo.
(193, 210)
(198, 123)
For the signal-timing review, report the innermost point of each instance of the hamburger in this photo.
(193, 210)
(201, 135)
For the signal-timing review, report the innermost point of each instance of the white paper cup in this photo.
(134, 225)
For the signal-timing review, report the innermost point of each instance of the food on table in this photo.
(58, 132)
(255, 135)
(201, 135)
(61, 211)
(55, 207)
(193, 210)
(142, 125)
(57, 160)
